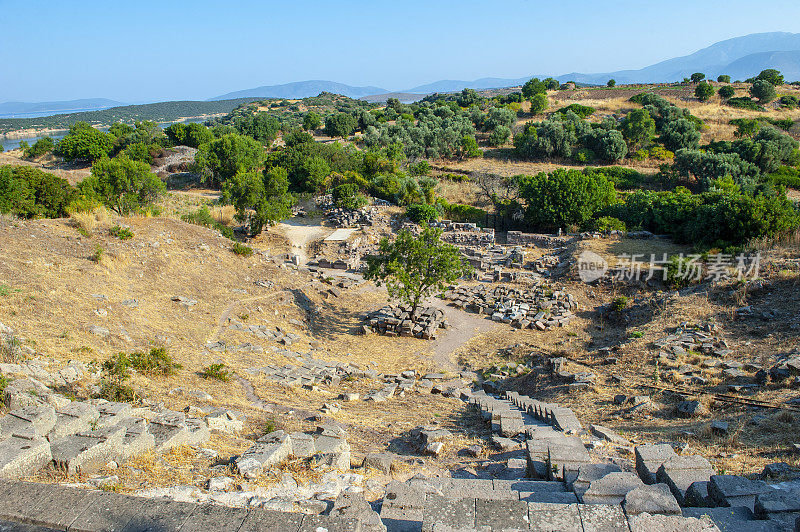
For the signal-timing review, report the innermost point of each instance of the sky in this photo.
(145, 50)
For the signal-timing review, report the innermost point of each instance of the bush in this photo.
(539, 103)
(763, 90)
(346, 196)
(772, 76)
(85, 143)
(340, 125)
(458, 212)
(638, 128)
(697, 77)
(242, 250)
(789, 101)
(564, 197)
(499, 136)
(28, 192)
(745, 103)
(704, 91)
(611, 83)
(123, 185)
(157, 361)
(726, 92)
(222, 158)
(723, 78)
(40, 147)
(421, 213)
(217, 372)
(202, 216)
(679, 272)
(420, 168)
(619, 304)
(311, 121)
(123, 233)
(679, 134)
(582, 111)
(606, 224)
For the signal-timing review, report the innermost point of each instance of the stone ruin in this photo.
(517, 238)
(537, 307)
(394, 320)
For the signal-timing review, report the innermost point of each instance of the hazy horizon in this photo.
(147, 52)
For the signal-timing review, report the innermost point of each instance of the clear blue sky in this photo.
(144, 50)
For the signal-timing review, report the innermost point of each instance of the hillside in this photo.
(301, 89)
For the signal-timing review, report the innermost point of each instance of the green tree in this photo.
(746, 127)
(726, 92)
(40, 147)
(564, 197)
(533, 86)
(724, 78)
(638, 128)
(315, 171)
(499, 136)
(226, 156)
(704, 91)
(611, 83)
(123, 185)
(28, 192)
(680, 133)
(84, 142)
(260, 198)
(347, 196)
(697, 77)
(414, 267)
(539, 103)
(340, 125)
(469, 147)
(763, 90)
(420, 213)
(771, 75)
(311, 121)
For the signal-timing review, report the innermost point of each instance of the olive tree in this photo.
(416, 266)
(763, 90)
(704, 91)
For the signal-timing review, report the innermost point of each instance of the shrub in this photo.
(469, 147)
(772, 76)
(222, 158)
(763, 90)
(638, 128)
(420, 168)
(28, 192)
(458, 212)
(340, 125)
(745, 103)
(202, 216)
(85, 142)
(533, 87)
(97, 256)
(726, 92)
(123, 233)
(619, 304)
(217, 372)
(679, 272)
(723, 78)
(421, 213)
(40, 147)
(311, 121)
(606, 224)
(499, 136)
(611, 83)
(697, 77)
(157, 361)
(679, 134)
(582, 111)
(539, 103)
(241, 249)
(122, 185)
(347, 196)
(704, 91)
(789, 101)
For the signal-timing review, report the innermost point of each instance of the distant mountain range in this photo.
(740, 57)
(26, 109)
(301, 89)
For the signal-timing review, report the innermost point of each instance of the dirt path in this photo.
(301, 233)
(463, 327)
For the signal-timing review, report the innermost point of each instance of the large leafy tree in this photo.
(83, 142)
(31, 193)
(311, 121)
(704, 91)
(122, 184)
(533, 86)
(224, 157)
(638, 128)
(340, 125)
(763, 90)
(771, 75)
(414, 267)
(564, 197)
(260, 198)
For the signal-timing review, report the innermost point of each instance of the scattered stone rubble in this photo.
(394, 320)
(700, 339)
(538, 307)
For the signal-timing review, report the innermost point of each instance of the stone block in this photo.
(110, 512)
(61, 506)
(554, 497)
(25, 392)
(21, 457)
(565, 457)
(224, 421)
(34, 420)
(608, 435)
(137, 439)
(168, 433)
(20, 499)
(198, 431)
(112, 413)
(732, 519)
(260, 519)
(302, 445)
(383, 462)
(87, 452)
(158, 516)
(649, 458)
(215, 518)
(353, 506)
(77, 416)
(318, 523)
(679, 472)
(611, 489)
(777, 501)
(670, 523)
(456, 513)
(651, 499)
(733, 490)
(501, 514)
(547, 517)
(588, 473)
(265, 453)
(602, 518)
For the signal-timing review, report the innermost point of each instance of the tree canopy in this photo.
(414, 267)
(123, 185)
